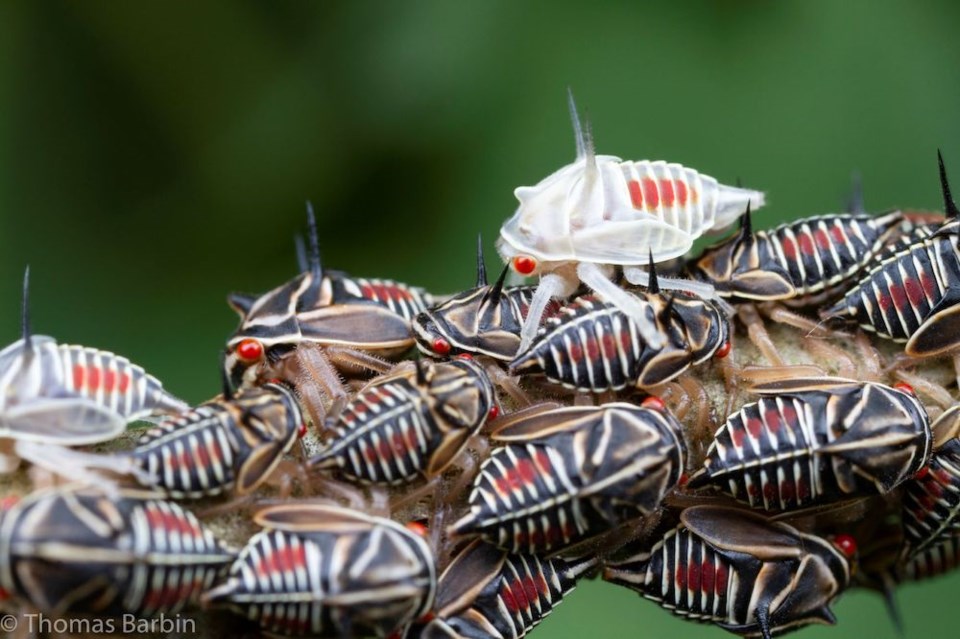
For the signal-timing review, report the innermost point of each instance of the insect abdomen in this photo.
(896, 297)
(684, 575)
(114, 382)
(591, 346)
(821, 252)
(384, 435)
(931, 503)
(192, 455)
(405, 301)
(765, 455)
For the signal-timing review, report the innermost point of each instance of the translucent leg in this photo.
(759, 336)
(551, 285)
(639, 277)
(594, 277)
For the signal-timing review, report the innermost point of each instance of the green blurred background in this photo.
(153, 158)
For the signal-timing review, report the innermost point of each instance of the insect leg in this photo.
(638, 276)
(316, 375)
(758, 334)
(932, 390)
(352, 358)
(591, 275)
(508, 384)
(551, 285)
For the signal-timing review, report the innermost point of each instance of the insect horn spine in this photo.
(493, 295)
(654, 283)
(303, 265)
(855, 201)
(746, 226)
(25, 314)
(481, 265)
(949, 205)
(314, 257)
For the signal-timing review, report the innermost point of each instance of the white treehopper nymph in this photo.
(599, 213)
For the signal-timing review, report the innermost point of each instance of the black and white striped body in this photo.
(74, 394)
(487, 593)
(204, 451)
(82, 552)
(394, 427)
(357, 576)
(786, 578)
(793, 449)
(593, 346)
(900, 295)
(801, 263)
(931, 502)
(571, 474)
(482, 321)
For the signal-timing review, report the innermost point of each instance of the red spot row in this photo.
(384, 292)
(823, 241)
(520, 594)
(172, 523)
(789, 248)
(806, 244)
(282, 560)
(166, 597)
(652, 192)
(837, 232)
(516, 477)
(91, 378)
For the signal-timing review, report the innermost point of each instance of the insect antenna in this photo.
(25, 314)
(481, 265)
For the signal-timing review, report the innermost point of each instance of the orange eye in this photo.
(846, 544)
(723, 351)
(654, 403)
(250, 350)
(418, 528)
(524, 264)
(441, 346)
(905, 387)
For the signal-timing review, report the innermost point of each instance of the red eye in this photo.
(302, 430)
(846, 544)
(494, 412)
(464, 356)
(684, 478)
(724, 350)
(654, 403)
(418, 528)
(9, 502)
(250, 350)
(441, 346)
(524, 264)
(905, 387)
